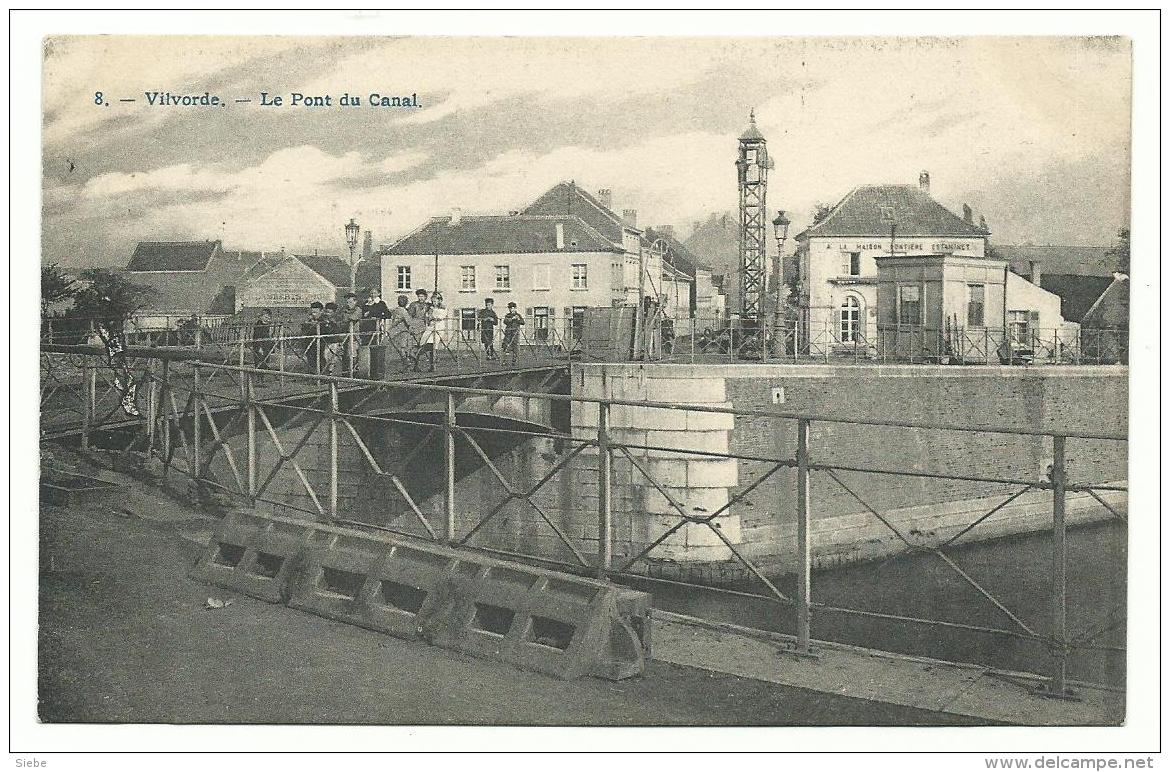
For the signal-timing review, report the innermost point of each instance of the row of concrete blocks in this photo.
(547, 621)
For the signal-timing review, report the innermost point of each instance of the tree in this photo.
(55, 286)
(1120, 252)
(822, 211)
(109, 297)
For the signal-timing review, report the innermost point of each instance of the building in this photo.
(568, 198)
(966, 307)
(1078, 274)
(566, 252)
(715, 241)
(189, 277)
(552, 266)
(1105, 326)
(835, 260)
(279, 281)
(707, 301)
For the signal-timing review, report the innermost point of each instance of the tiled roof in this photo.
(866, 211)
(1111, 310)
(1077, 293)
(567, 198)
(172, 255)
(336, 270)
(1078, 260)
(503, 234)
(682, 257)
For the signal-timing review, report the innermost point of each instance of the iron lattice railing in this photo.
(192, 409)
(339, 348)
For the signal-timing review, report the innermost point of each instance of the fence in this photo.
(188, 439)
(691, 339)
(368, 347)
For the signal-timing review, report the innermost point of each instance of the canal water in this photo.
(1015, 570)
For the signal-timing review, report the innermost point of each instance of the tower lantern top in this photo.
(751, 133)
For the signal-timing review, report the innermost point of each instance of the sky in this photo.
(1033, 133)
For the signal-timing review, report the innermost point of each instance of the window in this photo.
(467, 323)
(540, 323)
(403, 277)
(909, 304)
(540, 276)
(850, 263)
(851, 319)
(975, 297)
(580, 276)
(503, 277)
(467, 278)
(577, 314)
(1018, 327)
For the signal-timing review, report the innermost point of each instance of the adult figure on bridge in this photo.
(488, 319)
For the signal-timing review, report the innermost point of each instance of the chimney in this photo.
(368, 246)
(605, 196)
(630, 218)
(560, 235)
(968, 215)
(1034, 272)
(456, 216)
(983, 224)
(924, 181)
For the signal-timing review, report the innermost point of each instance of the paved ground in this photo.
(126, 637)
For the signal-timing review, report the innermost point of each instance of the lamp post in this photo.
(351, 238)
(780, 228)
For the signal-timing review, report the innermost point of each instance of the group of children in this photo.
(334, 334)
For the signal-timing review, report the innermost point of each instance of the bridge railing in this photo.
(210, 422)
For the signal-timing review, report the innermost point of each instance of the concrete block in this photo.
(712, 442)
(666, 472)
(699, 421)
(696, 501)
(712, 473)
(700, 535)
(693, 390)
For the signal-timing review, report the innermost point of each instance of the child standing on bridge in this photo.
(512, 324)
(488, 319)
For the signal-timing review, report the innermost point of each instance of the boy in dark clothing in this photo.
(488, 319)
(512, 324)
(263, 342)
(311, 331)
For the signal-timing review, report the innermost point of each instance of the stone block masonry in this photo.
(762, 524)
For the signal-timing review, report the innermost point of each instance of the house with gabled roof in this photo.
(282, 281)
(835, 268)
(566, 252)
(707, 302)
(189, 277)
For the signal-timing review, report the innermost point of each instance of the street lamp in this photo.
(780, 228)
(351, 238)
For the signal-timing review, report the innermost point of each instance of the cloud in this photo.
(655, 120)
